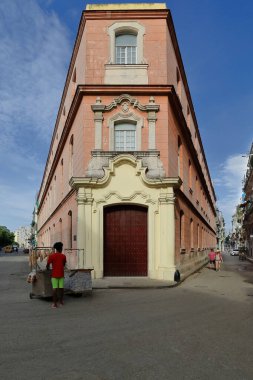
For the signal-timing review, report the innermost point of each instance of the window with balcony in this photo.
(125, 137)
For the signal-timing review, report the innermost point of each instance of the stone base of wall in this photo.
(78, 281)
(191, 262)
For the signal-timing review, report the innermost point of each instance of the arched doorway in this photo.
(125, 240)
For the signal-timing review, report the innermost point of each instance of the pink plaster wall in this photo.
(90, 62)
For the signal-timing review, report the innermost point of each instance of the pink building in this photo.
(126, 177)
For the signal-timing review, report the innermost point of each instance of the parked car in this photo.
(25, 250)
(15, 248)
(7, 249)
(235, 252)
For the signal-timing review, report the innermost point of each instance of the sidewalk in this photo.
(146, 283)
(249, 259)
(131, 283)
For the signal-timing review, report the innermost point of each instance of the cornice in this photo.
(173, 35)
(187, 134)
(126, 14)
(66, 85)
(196, 211)
(93, 89)
(72, 191)
(71, 115)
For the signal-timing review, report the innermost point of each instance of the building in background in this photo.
(237, 235)
(220, 230)
(126, 177)
(247, 205)
(34, 227)
(23, 236)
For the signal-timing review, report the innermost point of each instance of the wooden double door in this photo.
(125, 240)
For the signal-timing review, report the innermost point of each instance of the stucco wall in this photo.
(125, 184)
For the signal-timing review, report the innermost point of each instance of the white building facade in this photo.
(22, 236)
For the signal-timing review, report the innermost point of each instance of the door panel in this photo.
(125, 241)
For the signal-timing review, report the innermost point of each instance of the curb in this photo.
(249, 259)
(173, 285)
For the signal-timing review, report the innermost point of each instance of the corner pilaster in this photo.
(80, 198)
(98, 110)
(152, 109)
(84, 220)
(167, 236)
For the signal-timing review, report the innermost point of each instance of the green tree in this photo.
(6, 236)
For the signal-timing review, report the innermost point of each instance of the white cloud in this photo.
(34, 55)
(229, 185)
(34, 51)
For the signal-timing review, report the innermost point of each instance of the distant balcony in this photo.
(248, 209)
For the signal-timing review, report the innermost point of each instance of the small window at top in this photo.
(126, 49)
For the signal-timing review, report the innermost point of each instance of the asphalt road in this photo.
(201, 329)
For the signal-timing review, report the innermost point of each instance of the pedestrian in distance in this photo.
(218, 260)
(211, 256)
(57, 260)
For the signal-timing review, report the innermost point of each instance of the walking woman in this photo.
(218, 260)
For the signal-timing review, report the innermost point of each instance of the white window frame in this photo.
(122, 128)
(132, 119)
(126, 27)
(124, 50)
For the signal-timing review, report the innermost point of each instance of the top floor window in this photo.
(126, 49)
(126, 43)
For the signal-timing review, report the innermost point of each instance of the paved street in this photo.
(201, 329)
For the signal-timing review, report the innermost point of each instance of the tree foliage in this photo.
(6, 236)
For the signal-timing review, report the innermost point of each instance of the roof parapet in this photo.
(125, 6)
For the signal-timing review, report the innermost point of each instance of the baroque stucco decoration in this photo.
(125, 182)
(127, 103)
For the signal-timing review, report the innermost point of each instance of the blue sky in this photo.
(36, 41)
